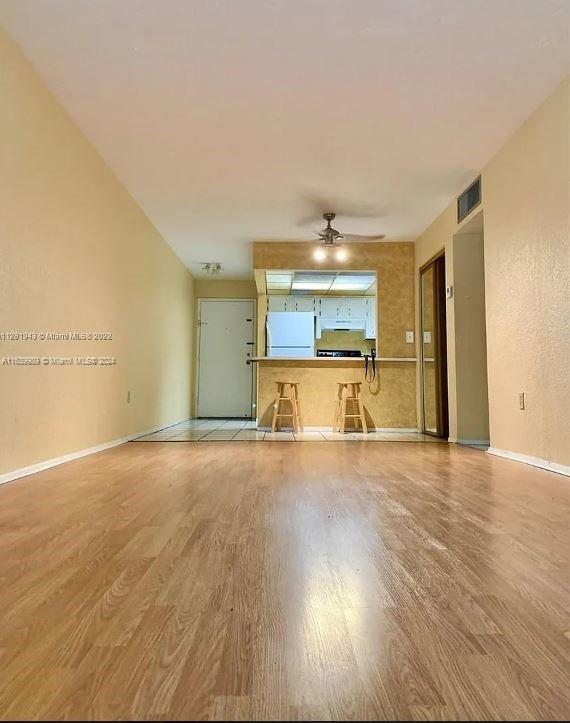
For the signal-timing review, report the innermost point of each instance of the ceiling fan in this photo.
(329, 234)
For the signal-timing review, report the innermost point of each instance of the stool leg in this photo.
(361, 412)
(352, 409)
(337, 404)
(343, 409)
(295, 410)
(276, 408)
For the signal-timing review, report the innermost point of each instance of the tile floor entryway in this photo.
(240, 430)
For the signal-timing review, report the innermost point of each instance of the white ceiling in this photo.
(229, 120)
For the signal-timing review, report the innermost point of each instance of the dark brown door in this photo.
(434, 348)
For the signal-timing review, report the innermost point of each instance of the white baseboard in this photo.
(534, 461)
(46, 464)
(480, 442)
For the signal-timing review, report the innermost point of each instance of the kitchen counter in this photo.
(389, 400)
(333, 359)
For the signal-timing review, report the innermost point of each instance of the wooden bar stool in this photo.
(292, 399)
(348, 392)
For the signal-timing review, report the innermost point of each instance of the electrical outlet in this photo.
(521, 400)
(409, 337)
(129, 397)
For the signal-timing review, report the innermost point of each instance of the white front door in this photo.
(225, 342)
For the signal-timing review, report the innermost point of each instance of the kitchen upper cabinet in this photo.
(357, 307)
(280, 303)
(344, 307)
(304, 303)
(330, 307)
(292, 303)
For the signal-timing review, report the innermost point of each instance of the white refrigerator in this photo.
(290, 333)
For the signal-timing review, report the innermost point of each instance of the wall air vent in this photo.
(469, 200)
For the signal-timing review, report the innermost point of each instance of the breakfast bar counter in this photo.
(389, 400)
(337, 359)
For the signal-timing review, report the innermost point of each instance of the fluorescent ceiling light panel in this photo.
(317, 276)
(349, 287)
(311, 285)
(353, 282)
(279, 278)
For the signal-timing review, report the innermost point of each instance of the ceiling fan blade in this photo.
(318, 204)
(358, 237)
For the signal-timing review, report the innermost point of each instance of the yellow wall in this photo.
(77, 254)
(224, 289)
(526, 270)
(527, 273)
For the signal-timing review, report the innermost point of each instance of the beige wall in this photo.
(77, 254)
(526, 270)
(224, 289)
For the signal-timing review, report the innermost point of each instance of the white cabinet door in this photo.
(357, 307)
(330, 307)
(371, 318)
(304, 303)
(279, 303)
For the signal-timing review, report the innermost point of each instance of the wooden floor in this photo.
(226, 581)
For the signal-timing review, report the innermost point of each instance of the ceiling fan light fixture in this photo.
(320, 254)
(341, 254)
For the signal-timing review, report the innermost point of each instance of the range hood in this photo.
(343, 324)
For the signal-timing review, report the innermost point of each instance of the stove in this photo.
(338, 352)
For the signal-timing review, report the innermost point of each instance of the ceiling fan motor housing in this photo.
(329, 234)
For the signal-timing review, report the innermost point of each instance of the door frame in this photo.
(440, 346)
(198, 327)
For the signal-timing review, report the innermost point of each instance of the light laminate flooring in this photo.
(285, 581)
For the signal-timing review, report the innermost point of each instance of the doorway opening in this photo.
(434, 348)
(470, 335)
(226, 342)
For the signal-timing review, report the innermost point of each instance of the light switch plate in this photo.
(449, 292)
(427, 337)
(409, 337)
